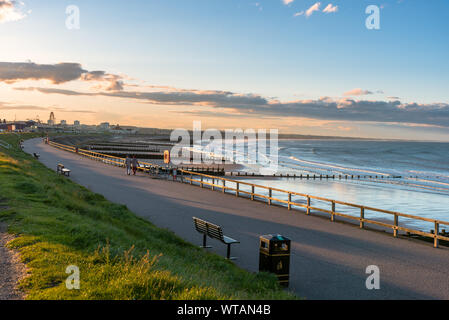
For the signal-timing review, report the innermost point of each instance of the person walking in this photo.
(128, 165)
(135, 165)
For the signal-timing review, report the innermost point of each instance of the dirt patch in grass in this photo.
(12, 270)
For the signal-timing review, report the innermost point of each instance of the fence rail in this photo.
(5, 144)
(217, 183)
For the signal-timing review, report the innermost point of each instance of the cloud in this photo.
(74, 111)
(8, 106)
(215, 114)
(114, 82)
(287, 2)
(436, 114)
(357, 92)
(325, 108)
(10, 10)
(258, 5)
(297, 14)
(12, 72)
(312, 9)
(5, 106)
(330, 8)
(55, 91)
(208, 98)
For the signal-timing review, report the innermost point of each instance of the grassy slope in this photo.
(120, 256)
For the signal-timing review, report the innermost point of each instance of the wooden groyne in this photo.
(311, 176)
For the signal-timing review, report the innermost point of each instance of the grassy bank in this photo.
(120, 256)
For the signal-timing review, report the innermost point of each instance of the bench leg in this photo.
(228, 254)
(205, 246)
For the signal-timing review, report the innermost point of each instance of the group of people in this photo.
(131, 164)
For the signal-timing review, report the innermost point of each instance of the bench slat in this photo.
(200, 225)
(212, 230)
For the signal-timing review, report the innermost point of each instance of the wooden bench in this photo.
(62, 170)
(215, 232)
(36, 155)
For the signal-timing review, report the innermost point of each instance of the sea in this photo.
(412, 177)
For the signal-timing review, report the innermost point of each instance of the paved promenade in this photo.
(328, 259)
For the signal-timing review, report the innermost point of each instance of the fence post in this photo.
(362, 217)
(436, 241)
(237, 191)
(270, 193)
(213, 184)
(191, 178)
(224, 185)
(252, 192)
(201, 184)
(308, 205)
(289, 201)
(396, 224)
(333, 211)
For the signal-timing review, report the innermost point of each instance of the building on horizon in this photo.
(104, 126)
(52, 120)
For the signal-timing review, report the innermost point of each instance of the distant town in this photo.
(52, 125)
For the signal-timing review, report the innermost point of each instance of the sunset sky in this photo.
(299, 66)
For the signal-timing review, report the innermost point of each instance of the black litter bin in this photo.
(274, 257)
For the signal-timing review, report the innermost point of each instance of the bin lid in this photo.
(275, 237)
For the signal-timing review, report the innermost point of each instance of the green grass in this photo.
(120, 256)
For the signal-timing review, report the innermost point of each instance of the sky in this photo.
(306, 67)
